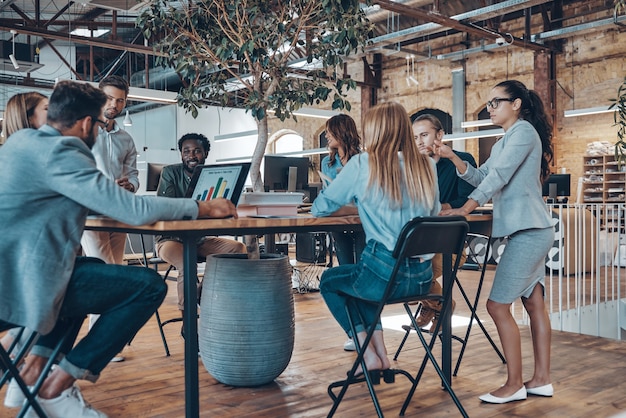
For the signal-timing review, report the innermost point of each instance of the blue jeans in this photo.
(125, 297)
(349, 246)
(367, 280)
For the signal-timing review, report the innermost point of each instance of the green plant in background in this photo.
(261, 55)
(619, 103)
(619, 117)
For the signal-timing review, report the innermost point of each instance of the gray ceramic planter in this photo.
(246, 330)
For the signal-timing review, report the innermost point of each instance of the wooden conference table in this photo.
(189, 231)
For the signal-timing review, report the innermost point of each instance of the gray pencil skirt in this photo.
(522, 265)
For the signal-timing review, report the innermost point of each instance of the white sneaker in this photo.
(349, 345)
(14, 398)
(69, 403)
(118, 359)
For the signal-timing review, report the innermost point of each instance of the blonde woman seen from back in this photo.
(390, 183)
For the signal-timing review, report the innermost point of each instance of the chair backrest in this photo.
(431, 234)
(5, 325)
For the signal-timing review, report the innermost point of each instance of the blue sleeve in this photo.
(341, 192)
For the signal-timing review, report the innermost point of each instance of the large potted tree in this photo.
(265, 56)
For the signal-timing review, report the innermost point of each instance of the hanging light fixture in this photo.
(410, 71)
(12, 56)
(127, 120)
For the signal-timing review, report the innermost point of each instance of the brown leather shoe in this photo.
(425, 316)
(436, 318)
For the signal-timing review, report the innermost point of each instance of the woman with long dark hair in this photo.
(512, 178)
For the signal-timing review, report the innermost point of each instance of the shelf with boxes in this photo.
(604, 184)
(604, 180)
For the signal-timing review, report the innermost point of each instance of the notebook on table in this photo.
(218, 180)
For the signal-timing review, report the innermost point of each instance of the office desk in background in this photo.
(189, 231)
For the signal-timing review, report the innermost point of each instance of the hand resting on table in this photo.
(217, 208)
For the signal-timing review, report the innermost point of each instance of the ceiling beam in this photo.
(83, 40)
(448, 22)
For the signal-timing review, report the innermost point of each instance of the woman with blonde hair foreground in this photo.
(390, 183)
(25, 110)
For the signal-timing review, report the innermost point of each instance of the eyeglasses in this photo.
(493, 103)
(104, 123)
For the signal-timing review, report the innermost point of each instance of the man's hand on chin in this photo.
(217, 208)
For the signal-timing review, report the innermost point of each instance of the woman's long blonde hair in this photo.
(387, 131)
(19, 110)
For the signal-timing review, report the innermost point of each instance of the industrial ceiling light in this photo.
(410, 71)
(312, 112)
(588, 111)
(12, 56)
(476, 123)
(473, 135)
(127, 120)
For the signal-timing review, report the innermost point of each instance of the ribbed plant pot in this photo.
(246, 329)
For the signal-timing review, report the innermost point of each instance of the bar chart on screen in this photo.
(214, 181)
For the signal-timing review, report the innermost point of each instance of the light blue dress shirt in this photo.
(380, 221)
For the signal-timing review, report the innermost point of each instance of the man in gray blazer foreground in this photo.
(49, 183)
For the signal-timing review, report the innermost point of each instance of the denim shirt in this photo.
(332, 170)
(380, 221)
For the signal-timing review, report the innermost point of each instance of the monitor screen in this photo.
(219, 180)
(153, 176)
(276, 173)
(556, 185)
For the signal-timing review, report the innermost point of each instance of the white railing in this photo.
(584, 286)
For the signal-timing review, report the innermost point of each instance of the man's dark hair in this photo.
(115, 81)
(196, 137)
(71, 101)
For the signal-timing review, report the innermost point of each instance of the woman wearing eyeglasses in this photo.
(512, 178)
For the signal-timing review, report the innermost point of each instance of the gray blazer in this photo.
(510, 177)
(48, 184)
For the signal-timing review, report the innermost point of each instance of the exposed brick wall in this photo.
(588, 73)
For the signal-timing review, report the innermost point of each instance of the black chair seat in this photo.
(423, 235)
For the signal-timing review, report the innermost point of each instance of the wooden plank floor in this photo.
(588, 374)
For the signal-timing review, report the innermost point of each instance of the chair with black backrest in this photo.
(9, 365)
(478, 252)
(422, 235)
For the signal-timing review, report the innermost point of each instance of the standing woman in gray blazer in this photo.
(512, 178)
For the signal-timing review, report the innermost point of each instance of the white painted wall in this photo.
(156, 133)
(53, 67)
(212, 121)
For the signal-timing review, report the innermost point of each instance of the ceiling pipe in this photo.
(440, 23)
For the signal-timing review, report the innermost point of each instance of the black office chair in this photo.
(422, 235)
(478, 252)
(10, 365)
(154, 262)
(478, 247)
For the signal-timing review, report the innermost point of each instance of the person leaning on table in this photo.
(174, 182)
(42, 222)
